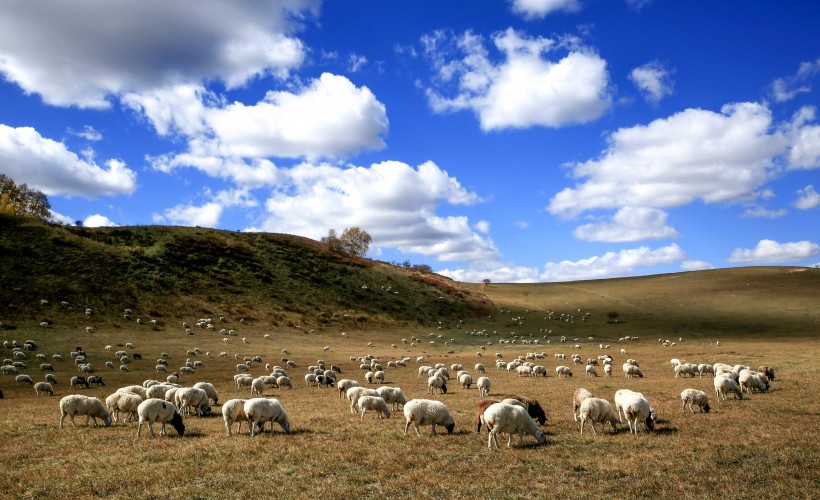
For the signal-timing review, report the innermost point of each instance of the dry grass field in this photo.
(764, 446)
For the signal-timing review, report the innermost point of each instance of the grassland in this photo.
(764, 446)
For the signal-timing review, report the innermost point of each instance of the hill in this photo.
(168, 273)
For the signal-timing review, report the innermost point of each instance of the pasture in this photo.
(764, 446)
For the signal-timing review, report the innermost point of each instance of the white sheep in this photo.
(44, 388)
(126, 402)
(374, 403)
(427, 412)
(262, 410)
(635, 408)
(483, 384)
(608, 370)
(724, 385)
(24, 379)
(209, 389)
(466, 380)
(233, 410)
(705, 368)
(436, 382)
(694, 397)
(257, 386)
(284, 382)
(189, 397)
(750, 380)
(378, 376)
(597, 410)
(579, 395)
(590, 371)
(510, 419)
(684, 369)
(566, 371)
(479, 368)
(77, 404)
(158, 410)
(354, 393)
(631, 371)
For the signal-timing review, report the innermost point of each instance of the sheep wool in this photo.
(77, 404)
(428, 412)
(510, 419)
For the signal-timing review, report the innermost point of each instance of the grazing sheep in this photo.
(24, 379)
(44, 388)
(590, 371)
(158, 391)
(483, 384)
(392, 395)
(479, 368)
(579, 395)
(635, 408)
(344, 384)
(724, 385)
(750, 380)
(705, 368)
(375, 403)
(257, 387)
(436, 382)
(284, 382)
(482, 406)
(631, 371)
(694, 397)
(8, 370)
(684, 369)
(767, 371)
(465, 380)
(566, 371)
(189, 397)
(136, 389)
(125, 402)
(94, 379)
(157, 410)
(427, 412)
(51, 378)
(354, 393)
(510, 419)
(262, 410)
(597, 410)
(209, 389)
(233, 410)
(46, 367)
(77, 404)
(75, 381)
(378, 376)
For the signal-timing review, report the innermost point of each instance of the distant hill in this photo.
(168, 273)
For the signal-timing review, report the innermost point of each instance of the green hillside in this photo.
(168, 273)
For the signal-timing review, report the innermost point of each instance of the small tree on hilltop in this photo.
(332, 241)
(355, 241)
(613, 316)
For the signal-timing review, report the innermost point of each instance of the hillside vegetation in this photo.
(168, 273)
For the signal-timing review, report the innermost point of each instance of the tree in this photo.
(22, 200)
(355, 241)
(613, 316)
(332, 241)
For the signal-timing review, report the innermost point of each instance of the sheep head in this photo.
(177, 424)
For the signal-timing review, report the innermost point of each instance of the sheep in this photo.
(94, 379)
(694, 397)
(136, 389)
(44, 388)
(631, 371)
(284, 381)
(209, 389)
(189, 397)
(427, 412)
(375, 403)
(750, 380)
(436, 382)
(261, 410)
(566, 371)
(483, 384)
(344, 384)
(597, 410)
(579, 395)
(378, 376)
(392, 395)
(767, 371)
(590, 371)
(24, 379)
(479, 368)
(705, 368)
(636, 408)
(75, 381)
(51, 378)
(92, 408)
(123, 402)
(532, 406)
(157, 391)
(509, 418)
(685, 369)
(257, 387)
(157, 410)
(723, 385)
(354, 393)
(233, 410)
(46, 367)
(465, 380)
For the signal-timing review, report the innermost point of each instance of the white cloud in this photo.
(47, 165)
(629, 224)
(653, 80)
(482, 226)
(392, 201)
(356, 62)
(787, 88)
(98, 220)
(694, 154)
(609, 265)
(805, 137)
(209, 213)
(695, 265)
(809, 198)
(61, 218)
(88, 133)
(772, 252)
(531, 9)
(764, 213)
(526, 89)
(329, 118)
(81, 53)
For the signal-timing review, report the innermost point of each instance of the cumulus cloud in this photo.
(98, 220)
(531, 9)
(629, 224)
(653, 80)
(609, 265)
(805, 137)
(764, 213)
(328, 118)
(772, 252)
(809, 198)
(538, 82)
(695, 265)
(482, 226)
(693, 155)
(207, 214)
(47, 165)
(787, 88)
(81, 53)
(392, 201)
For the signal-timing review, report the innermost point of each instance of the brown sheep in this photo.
(533, 407)
(767, 371)
(483, 405)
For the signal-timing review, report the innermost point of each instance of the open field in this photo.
(764, 446)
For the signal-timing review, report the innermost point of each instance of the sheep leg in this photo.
(363, 412)
(433, 430)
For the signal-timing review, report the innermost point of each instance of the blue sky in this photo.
(517, 140)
